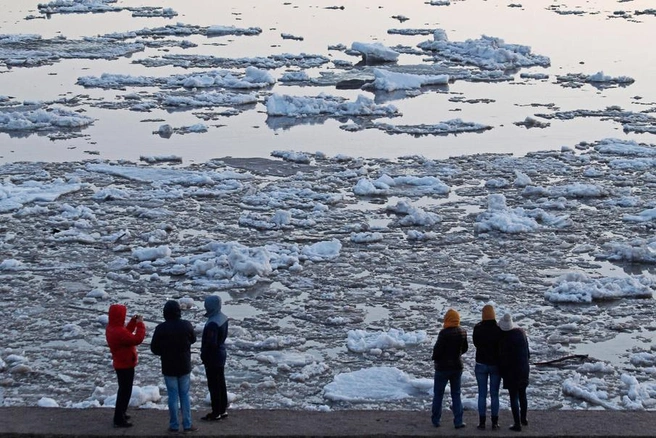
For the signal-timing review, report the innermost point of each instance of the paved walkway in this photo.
(56, 422)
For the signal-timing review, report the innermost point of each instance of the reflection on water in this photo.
(615, 350)
(585, 44)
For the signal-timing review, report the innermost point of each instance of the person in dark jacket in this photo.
(514, 367)
(451, 344)
(172, 342)
(213, 354)
(122, 341)
(487, 335)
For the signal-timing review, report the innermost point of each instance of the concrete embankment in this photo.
(56, 422)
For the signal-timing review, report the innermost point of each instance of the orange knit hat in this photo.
(451, 319)
(488, 312)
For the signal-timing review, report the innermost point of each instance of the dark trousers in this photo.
(217, 387)
(125, 379)
(518, 403)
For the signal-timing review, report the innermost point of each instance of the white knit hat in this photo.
(506, 323)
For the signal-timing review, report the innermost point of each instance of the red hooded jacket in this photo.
(122, 339)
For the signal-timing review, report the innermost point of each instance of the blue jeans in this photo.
(178, 390)
(439, 385)
(482, 372)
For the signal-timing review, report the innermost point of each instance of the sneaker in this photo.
(516, 428)
(211, 417)
(460, 426)
(171, 429)
(191, 429)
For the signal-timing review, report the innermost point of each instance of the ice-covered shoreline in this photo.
(334, 269)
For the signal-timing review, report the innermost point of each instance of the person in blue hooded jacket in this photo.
(213, 354)
(172, 342)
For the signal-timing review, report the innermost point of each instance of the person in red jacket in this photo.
(123, 340)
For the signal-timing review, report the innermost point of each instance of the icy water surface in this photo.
(177, 149)
(587, 50)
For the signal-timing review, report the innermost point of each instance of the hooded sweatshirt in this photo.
(212, 350)
(122, 339)
(451, 344)
(172, 341)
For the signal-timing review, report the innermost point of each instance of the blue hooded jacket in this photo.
(212, 350)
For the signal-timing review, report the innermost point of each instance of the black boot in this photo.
(516, 427)
(495, 422)
(481, 423)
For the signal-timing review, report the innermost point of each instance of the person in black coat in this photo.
(172, 342)
(514, 367)
(213, 354)
(487, 335)
(451, 344)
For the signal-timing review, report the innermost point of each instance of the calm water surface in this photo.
(595, 39)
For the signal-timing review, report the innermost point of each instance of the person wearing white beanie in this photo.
(514, 367)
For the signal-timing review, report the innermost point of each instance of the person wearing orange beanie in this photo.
(451, 344)
(487, 335)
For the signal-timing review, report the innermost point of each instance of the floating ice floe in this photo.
(286, 359)
(454, 126)
(375, 53)
(30, 119)
(643, 359)
(10, 265)
(386, 185)
(599, 79)
(47, 402)
(165, 175)
(302, 60)
(577, 287)
(639, 395)
(33, 50)
(14, 196)
(253, 77)
(218, 30)
(266, 343)
(391, 81)
(636, 250)
(334, 106)
(100, 6)
(412, 215)
(569, 191)
(366, 237)
(487, 53)
(589, 390)
(380, 384)
(639, 122)
(517, 220)
(362, 341)
(142, 396)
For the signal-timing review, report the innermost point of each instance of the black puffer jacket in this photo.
(487, 335)
(451, 344)
(514, 359)
(172, 341)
